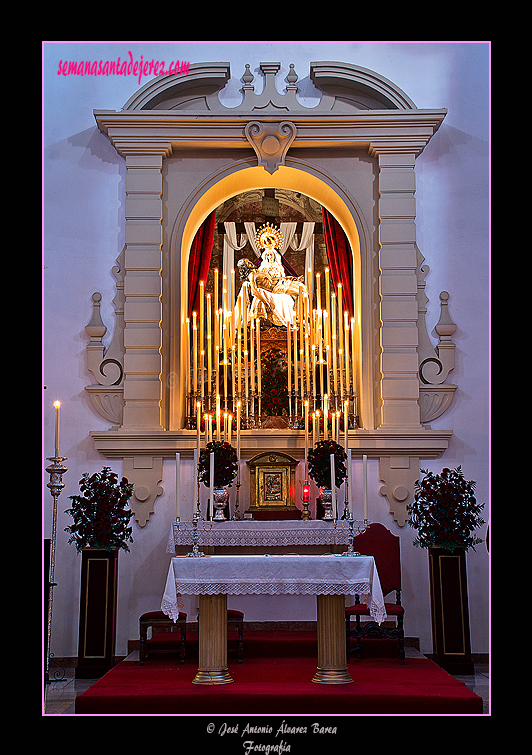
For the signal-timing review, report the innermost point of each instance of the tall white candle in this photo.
(177, 484)
(365, 484)
(57, 406)
(198, 425)
(306, 440)
(333, 487)
(195, 477)
(202, 315)
(349, 483)
(346, 426)
(211, 483)
(238, 410)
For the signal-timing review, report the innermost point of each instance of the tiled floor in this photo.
(60, 696)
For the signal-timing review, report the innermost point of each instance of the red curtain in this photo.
(340, 258)
(200, 260)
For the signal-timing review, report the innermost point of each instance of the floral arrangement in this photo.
(274, 391)
(445, 511)
(225, 464)
(101, 519)
(319, 463)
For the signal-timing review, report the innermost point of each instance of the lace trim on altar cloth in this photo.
(172, 609)
(269, 587)
(377, 613)
(259, 537)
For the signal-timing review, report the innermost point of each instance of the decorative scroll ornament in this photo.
(107, 395)
(270, 142)
(399, 474)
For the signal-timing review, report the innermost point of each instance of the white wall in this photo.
(84, 232)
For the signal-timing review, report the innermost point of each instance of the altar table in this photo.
(329, 577)
(266, 534)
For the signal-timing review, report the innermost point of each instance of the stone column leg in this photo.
(332, 656)
(212, 667)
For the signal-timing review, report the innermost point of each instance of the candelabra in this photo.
(237, 516)
(361, 527)
(56, 471)
(195, 552)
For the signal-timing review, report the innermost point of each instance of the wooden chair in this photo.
(236, 619)
(380, 543)
(161, 623)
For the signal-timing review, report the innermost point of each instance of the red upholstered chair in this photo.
(162, 627)
(380, 543)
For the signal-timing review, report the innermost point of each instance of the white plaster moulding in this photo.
(133, 131)
(120, 443)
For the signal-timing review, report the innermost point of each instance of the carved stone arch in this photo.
(358, 87)
(343, 86)
(183, 90)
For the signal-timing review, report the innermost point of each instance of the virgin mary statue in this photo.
(273, 292)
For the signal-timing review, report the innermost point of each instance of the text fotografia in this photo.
(251, 746)
(119, 67)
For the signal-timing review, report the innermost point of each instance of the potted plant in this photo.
(320, 470)
(445, 514)
(99, 530)
(101, 517)
(225, 469)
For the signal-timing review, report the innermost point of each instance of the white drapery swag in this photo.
(307, 243)
(230, 246)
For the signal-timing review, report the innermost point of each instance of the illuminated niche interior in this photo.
(246, 365)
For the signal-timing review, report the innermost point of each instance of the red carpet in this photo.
(275, 678)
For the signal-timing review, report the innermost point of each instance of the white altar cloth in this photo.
(274, 575)
(267, 534)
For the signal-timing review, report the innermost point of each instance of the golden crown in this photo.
(269, 237)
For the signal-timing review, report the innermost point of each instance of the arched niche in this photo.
(219, 189)
(355, 153)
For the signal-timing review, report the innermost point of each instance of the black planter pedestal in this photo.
(97, 612)
(450, 612)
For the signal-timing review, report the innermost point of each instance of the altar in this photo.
(329, 577)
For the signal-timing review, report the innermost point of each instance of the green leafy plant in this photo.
(445, 511)
(319, 463)
(100, 515)
(225, 464)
